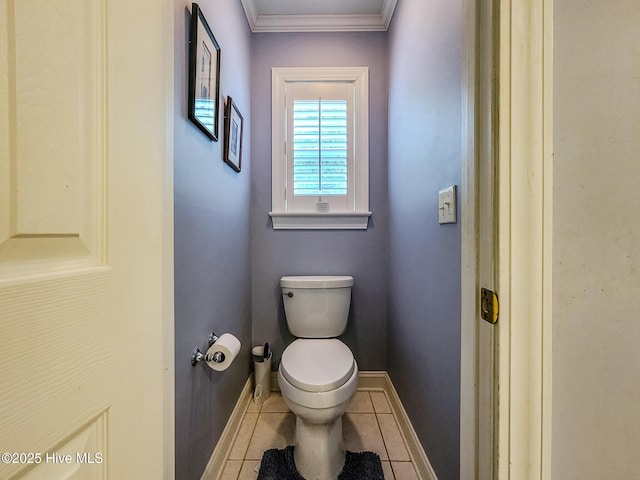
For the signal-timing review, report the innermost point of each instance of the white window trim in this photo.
(281, 218)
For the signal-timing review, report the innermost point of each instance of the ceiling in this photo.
(318, 15)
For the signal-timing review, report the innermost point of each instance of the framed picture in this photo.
(232, 135)
(204, 75)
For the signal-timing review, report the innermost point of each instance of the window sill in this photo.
(320, 221)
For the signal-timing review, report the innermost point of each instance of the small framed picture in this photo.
(204, 75)
(232, 135)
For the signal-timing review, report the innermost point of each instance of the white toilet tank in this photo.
(316, 306)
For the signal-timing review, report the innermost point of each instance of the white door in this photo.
(85, 239)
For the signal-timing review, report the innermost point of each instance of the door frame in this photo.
(469, 252)
(478, 398)
(525, 197)
(168, 308)
(522, 441)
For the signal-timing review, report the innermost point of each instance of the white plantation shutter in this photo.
(320, 147)
(320, 151)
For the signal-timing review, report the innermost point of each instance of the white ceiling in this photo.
(318, 15)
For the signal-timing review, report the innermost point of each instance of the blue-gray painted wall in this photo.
(212, 243)
(362, 254)
(423, 323)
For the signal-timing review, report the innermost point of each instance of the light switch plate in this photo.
(447, 205)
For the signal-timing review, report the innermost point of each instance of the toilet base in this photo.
(319, 452)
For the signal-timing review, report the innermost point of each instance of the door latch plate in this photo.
(489, 305)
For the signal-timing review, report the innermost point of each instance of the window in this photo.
(320, 147)
(320, 152)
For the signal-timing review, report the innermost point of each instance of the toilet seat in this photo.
(317, 365)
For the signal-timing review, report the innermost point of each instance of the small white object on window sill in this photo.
(320, 221)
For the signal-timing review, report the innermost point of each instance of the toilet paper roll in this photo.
(227, 345)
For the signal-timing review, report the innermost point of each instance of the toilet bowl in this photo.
(317, 375)
(317, 379)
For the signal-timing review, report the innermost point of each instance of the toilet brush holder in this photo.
(261, 372)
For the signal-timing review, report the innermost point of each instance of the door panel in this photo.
(53, 150)
(56, 362)
(79, 458)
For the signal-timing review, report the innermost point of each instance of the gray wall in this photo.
(212, 243)
(424, 257)
(358, 253)
(596, 240)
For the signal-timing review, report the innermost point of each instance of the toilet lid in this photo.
(317, 365)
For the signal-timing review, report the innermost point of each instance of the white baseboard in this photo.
(417, 453)
(368, 380)
(216, 463)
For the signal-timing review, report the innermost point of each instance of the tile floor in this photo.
(369, 424)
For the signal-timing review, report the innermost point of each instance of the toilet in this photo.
(317, 375)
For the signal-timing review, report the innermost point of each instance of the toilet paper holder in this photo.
(198, 356)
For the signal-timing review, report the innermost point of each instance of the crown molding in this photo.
(260, 23)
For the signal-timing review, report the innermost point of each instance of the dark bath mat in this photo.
(278, 465)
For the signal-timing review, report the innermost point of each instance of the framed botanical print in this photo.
(233, 135)
(204, 75)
